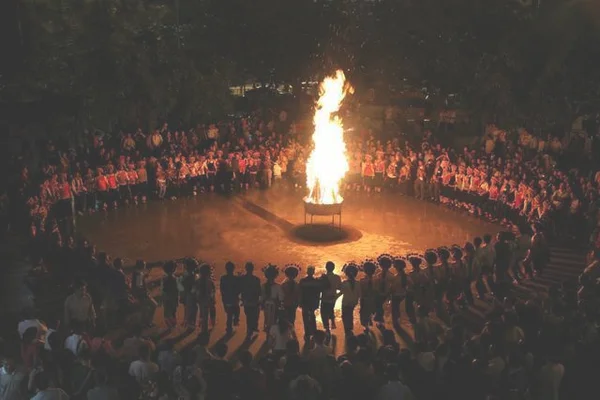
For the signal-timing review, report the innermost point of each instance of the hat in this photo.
(369, 266)
(350, 269)
(416, 261)
(443, 253)
(191, 263)
(385, 260)
(271, 271)
(399, 262)
(205, 269)
(457, 252)
(291, 270)
(431, 256)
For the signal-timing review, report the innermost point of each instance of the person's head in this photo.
(220, 349)
(385, 261)
(292, 346)
(103, 258)
(140, 265)
(30, 335)
(169, 267)
(319, 337)
(203, 339)
(487, 238)
(246, 358)
(9, 364)
(477, 242)
(229, 267)
(329, 266)
(310, 271)
(137, 330)
(391, 372)
(41, 381)
(249, 268)
(282, 323)
(144, 352)
(84, 355)
(101, 377)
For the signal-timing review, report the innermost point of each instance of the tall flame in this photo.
(327, 164)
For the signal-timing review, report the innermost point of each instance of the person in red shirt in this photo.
(122, 178)
(102, 188)
(113, 192)
(368, 173)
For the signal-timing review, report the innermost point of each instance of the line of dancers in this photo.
(441, 280)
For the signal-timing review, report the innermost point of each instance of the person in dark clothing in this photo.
(501, 266)
(249, 382)
(310, 292)
(250, 291)
(170, 295)
(230, 295)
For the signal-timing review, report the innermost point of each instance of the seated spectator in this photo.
(81, 375)
(76, 341)
(45, 390)
(13, 380)
(102, 389)
(143, 369)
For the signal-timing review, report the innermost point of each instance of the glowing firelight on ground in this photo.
(327, 164)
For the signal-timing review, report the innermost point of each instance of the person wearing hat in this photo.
(271, 297)
(310, 293)
(205, 292)
(229, 286)
(398, 290)
(170, 294)
(368, 294)
(291, 292)
(383, 286)
(350, 293)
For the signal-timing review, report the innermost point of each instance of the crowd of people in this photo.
(544, 347)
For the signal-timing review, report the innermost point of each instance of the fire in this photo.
(327, 164)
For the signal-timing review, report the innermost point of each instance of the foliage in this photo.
(133, 63)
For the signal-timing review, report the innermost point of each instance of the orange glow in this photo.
(327, 164)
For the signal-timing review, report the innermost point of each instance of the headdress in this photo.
(291, 270)
(431, 256)
(444, 253)
(399, 262)
(271, 271)
(191, 264)
(385, 260)
(416, 261)
(457, 252)
(205, 269)
(350, 269)
(369, 266)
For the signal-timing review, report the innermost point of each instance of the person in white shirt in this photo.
(350, 292)
(75, 342)
(394, 389)
(271, 297)
(550, 377)
(80, 307)
(45, 391)
(280, 334)
(143, 369)
(13, 381)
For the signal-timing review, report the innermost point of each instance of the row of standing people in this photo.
(441, 280)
